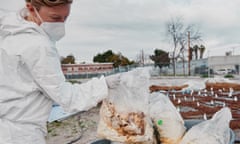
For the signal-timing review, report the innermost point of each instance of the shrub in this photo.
(229, 76)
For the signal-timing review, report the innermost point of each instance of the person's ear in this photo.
(30, 8)
(32, 12)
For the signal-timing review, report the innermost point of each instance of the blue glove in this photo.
(113, 81)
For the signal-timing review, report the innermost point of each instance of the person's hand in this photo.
(113, 81)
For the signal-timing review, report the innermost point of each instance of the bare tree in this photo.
(178, 34)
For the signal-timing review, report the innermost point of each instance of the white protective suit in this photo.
(31, 79)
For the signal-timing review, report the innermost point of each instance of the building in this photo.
(207, 65)
(224, 62)
(86, 70)
(216, 63)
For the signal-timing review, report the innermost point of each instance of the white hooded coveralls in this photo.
(31, 79)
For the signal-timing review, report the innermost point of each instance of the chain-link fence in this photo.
(181, 69)
(206, 67)
(88, 75)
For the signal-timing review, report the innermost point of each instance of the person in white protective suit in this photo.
(31, 78)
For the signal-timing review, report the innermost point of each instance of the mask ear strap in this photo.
(37, 13)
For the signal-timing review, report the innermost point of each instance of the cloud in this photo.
(12, 4)
(130, 26)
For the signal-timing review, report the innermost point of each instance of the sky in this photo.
(130, 27)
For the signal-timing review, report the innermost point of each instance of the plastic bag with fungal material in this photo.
(124, 114)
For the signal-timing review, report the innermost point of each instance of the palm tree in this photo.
(195, 49)
(202, 50)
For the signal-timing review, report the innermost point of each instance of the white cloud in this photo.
(129, 26)
(12, 4)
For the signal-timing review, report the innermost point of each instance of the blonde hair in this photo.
(48, 3)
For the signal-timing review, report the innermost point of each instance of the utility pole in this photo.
(143, 57)
(208, 63)
(233, 50)
(189, 51)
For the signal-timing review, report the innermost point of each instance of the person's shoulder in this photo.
(33, 40)
(6, 14)
(28, 42)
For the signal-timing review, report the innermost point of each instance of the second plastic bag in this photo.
(166, 119)
(213, 131)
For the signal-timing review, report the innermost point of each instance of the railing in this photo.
(88, 75)
(166, 71)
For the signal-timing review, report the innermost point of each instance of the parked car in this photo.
(221, 71)
(231, 71)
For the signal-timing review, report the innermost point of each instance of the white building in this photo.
(201, 66)
(224, 62)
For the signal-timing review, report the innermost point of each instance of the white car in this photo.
(221, 71)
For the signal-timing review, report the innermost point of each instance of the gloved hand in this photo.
(113, 81)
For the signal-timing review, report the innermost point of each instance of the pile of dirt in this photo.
(154, 88)
(225, 86)
(207, 104)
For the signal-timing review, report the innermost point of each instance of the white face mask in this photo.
(55, 30)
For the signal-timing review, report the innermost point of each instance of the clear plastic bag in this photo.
(124, 114)
(166, 119)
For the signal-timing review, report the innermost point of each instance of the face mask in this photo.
(55, 30)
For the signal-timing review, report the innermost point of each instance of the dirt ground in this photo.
(78, 129)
